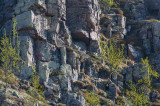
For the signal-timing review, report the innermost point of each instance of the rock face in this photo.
(58, 37)
(153, 7)
(46, 29)
(144, 31)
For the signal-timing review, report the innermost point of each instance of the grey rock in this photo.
(63, 55)
(139, 11)
(15, 94)
(147, 46)
(45, 68)
(81, 20)
(25, 20)
(54, 87)
(27, 55)
(65, 82)
(135, 52)
(72, 59)
(66, 68)
(74, 75)
(156, 31)
(129, 74)
(45, 51)
(156, 44)
(73, 101)
(153, 5)
(80, 46)
(113, 90)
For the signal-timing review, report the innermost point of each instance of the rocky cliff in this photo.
(59, 37)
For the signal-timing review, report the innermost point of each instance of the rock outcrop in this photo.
(59, 37)
(49, 33)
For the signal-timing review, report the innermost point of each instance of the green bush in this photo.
(112, 54)
(106, 4)
(92, 99)
(148, 72)
(110, 2)
(139, 92)
(37, 91)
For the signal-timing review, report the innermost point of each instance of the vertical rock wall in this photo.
(48, 32)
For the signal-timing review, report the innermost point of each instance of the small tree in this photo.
(139, 93)
(106, 4)
(10, 55)
(35, 83)
(92, 99)
(112, 54)
(37, 91)
(148, 72)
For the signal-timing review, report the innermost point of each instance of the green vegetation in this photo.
(112, 54)
(139, 92)
(149, 73)
(92, 99)
(106, 4)
(10, 54)
(110, 2)
(37, 91)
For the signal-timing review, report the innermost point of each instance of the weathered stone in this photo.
(65, 83)
(113, 90)
(81, 20)
(80, 46)
(128, 77)
(63, 55)
(65, 80)
(155, 27)
(40, 24)
(153, 5)
(45, 68)
(72, 59)
(135, 52)
(15, 94)
(139, 11)
(25, 20)
(156, 44)
(66, 68)
(45, 51)
(74, 75)
(72, 99)
(143, 33)
(28, 20)
(147, 46)
(27, 54)
(54, 87)
(52, 9)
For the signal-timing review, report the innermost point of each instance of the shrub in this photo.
(148, 71)
(10, 78)
(106, 4)
(92, 99)
(37, 91)
(112, 54)
(10, 54)
(139, 92)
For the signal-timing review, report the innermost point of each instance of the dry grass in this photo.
(102, 93)
(118, 11)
